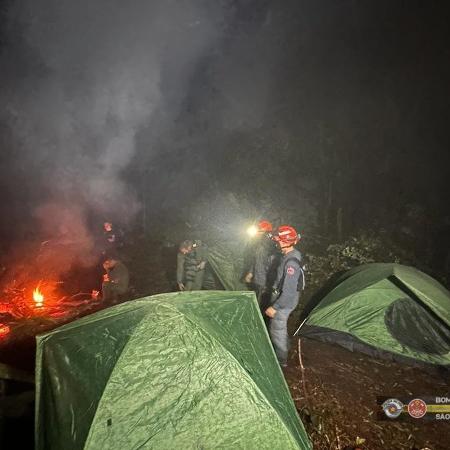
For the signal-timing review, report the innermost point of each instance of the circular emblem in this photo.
(290, 270)
(417, 408)
(392, 408)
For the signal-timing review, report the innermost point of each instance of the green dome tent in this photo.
(171, 371)
(385, 310)
(227, 263)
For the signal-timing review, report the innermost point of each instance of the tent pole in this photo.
(298, 329)
(302, 369)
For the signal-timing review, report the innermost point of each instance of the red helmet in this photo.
(287, 235)
(265, 226)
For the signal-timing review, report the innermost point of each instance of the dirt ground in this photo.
(336, 397)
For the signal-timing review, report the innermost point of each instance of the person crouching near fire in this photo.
(115, 281)
(286, 290)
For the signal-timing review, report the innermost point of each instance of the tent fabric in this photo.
(416, 328)
(377, 308)
(179, 370)
(227, 262)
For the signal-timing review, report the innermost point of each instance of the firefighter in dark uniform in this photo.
(191, 263)
(112, 238)
(261, 260)
(289, 281)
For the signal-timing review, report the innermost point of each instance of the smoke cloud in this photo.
(81, 79)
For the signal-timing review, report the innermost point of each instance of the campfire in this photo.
(33, 297)
(20, 300)
(37, 306)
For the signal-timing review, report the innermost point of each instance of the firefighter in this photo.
(261, 260)
(115, 280)
(288, 283)
(191, 262)
(112, 238)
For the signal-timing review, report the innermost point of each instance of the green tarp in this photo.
(386, 310)
(172, 371)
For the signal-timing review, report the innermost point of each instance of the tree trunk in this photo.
(339, 220)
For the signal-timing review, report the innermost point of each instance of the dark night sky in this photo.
(107, 104)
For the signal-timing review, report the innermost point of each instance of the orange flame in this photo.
(38, 298)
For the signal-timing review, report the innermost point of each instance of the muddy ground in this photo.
(336, 397)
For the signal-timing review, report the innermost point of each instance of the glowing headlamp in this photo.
(252, 231)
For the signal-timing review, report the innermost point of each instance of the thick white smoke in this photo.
(90, 78)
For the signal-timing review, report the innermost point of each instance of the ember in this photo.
(4, 330)
(38, 298)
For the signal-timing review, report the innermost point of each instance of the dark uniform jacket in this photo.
(264, 254)
(289, 280)
(112, 241)
(187, 265)
(119, 277)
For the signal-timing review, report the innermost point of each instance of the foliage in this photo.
(326, 260)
